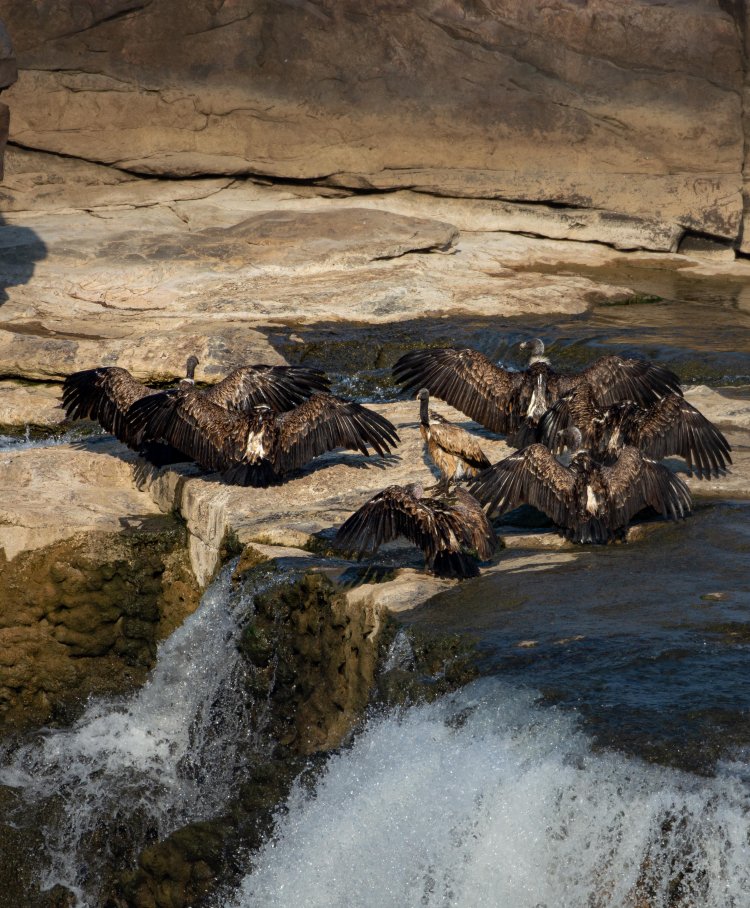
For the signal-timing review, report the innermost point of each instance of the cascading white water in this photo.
(484, 799)
(168, 755)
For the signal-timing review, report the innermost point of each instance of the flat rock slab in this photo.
(37, 406)
(57, 491)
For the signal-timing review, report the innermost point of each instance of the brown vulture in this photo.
(451, 529)
(258, 448)
(590, 501)
(106, 395)
(452, 449)
(507, 402)
(670, 426)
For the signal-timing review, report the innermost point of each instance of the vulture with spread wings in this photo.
(106, 395)
(258, 448)
(452, 449)
(590, 501)
(671, 426)
(507, 402)
(451, 529)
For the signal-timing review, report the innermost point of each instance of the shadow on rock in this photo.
(20, 249)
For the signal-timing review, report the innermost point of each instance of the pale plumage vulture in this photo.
(451, 529)
(590, 501)
(669, 427)
(453, 450)
(506, 402)
(260, 447)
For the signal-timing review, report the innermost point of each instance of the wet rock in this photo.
(83, 616)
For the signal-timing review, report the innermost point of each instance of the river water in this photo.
(601, 761)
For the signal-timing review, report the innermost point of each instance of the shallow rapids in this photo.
(486, 799)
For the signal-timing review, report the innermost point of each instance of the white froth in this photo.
(485, 801)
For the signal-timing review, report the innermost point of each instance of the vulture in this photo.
(258, 448)
(451, 529)
(452, 449)
(670, 426)
(590, 501)
(513, 403)
(106, 395)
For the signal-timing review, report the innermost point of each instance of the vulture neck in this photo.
(424, 412)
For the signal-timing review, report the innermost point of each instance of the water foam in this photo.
(485, 799)
(167, 756)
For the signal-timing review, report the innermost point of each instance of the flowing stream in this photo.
(136, 769)
(486, 800)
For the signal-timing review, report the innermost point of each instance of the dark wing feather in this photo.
(392, 513)
(576, 408)
(280, 387)
(468, 381)
(530, 476)
(470, 524)
(615, 378)
(673, 426)
(105, 395)
(323, 423)
(633, 483)
(209, 434)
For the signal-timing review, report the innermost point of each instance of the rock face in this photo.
(8, 75)
(634, 108)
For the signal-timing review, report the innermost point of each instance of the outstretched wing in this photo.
(469, 523)
(280, 387)
(459, 442)
(634, 483)
(530, 476)
(468, 381)
(324, 422)
(576, 408)
(673, 426)
(392, 513)
(206, 432)
(615, 378)
(105, 395)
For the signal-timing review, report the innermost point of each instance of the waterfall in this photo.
(149, 763)
(486, 800)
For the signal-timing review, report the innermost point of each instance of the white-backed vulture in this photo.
(671, 426)
(260, 447)
(506, 402)
(452, 449)
(451, 529)
(590, 501)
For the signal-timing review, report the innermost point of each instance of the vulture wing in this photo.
(634, 483)
(458, 441)
(468, 381)
(280, 387)
(614, 378)
(206, 432)
(324, 422)
(576, 408)
(530, 476)
(470, 524)
(105, 395)
(392, 513)
(673, 426)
